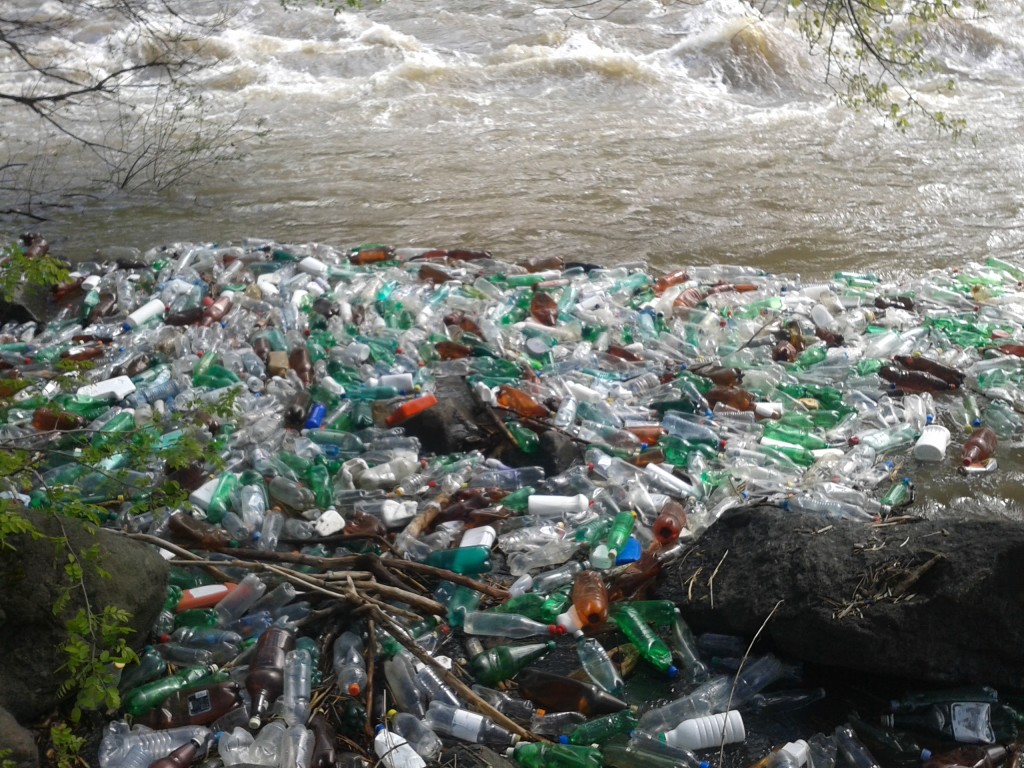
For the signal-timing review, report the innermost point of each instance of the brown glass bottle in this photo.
(194, 706)
(934, 367)
(187, 316)
(265, 679)
(431, 273)
(324, 738)
(913, 381)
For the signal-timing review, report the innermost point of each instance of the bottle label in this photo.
(972, 722)
(466, 725)
(199, 703)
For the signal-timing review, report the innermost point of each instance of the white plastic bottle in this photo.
(708, 731)
(394, 751)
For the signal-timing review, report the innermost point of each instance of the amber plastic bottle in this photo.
(544, 309)
(46, 419)
(734, 397)
(265, 679)
(300, 362)
(981, 445)
(556, 693)
(217, 310)
(183, 526)
(670, 522)
(519, 402)
(934, 367)
(969, 756)
(590, 597)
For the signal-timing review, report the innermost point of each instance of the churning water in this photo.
(673, 133)
(610, 132)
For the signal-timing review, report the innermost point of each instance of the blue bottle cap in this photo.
(563, 739)
(672, 671)
(630, 553)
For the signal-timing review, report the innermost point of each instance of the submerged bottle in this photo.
(467, 726)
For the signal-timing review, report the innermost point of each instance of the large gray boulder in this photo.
(925, 601)
(32, 578)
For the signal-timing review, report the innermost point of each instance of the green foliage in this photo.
(5, 761)
(67, 747)
(16, 268)
(96, 648)
(875, 50)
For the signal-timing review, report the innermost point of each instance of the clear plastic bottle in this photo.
(417, 733)
(594, 660)
(394, 751)
(118, 740)
(295, 695)
(467, 726)
(504, 625)
(349, 664)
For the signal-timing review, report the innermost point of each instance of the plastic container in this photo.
(708, 731)
(931, 445)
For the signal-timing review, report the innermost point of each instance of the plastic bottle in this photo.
(200, 705)
(235, 604)
(182, 757)
(980, 446)
(590, 597)
(503, 662)
(265, 678)
(600, 729)
(540, 755)
(417, 733)
(146, 697)
(708, 731)
(594, 660)
(118, 740)
(853, 749)
(973, 756)
(349, 664)
(394, 751)
(467, 726)
(651, 647)
(297, 687)
(504, 625)
(555, 693)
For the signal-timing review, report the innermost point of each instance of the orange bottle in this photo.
(590, 598)
(411, 408)
(665, 282)
(451, 350)
(519, 402)
(300, 362)
(371, 255)
(670, 522)
(430, 273)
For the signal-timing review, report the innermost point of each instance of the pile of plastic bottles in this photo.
(689, 393)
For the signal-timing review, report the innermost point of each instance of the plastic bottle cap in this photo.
(563, 739)
(672, 671)
(254, 722)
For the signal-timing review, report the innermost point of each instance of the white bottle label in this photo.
(466, 725)
(972, 722)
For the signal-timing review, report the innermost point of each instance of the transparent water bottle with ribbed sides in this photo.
(295, 696)
(394, 751)
(233, 746)
(119, 739)
(508, 625)
(349, 664)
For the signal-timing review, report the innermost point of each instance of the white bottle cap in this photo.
(799, 749)
(483, 536)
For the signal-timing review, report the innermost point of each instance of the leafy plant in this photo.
(67, 747)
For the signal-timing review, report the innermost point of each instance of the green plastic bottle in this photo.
(539, 755)
(463, 600)
(150, 695)
(651, 647)
(462, 560)
(601, 729)
(899, 495)
(220, 502)
(504, 662)
(529, 604)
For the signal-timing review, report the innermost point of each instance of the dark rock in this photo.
(32, 577)
(29, 303)
(558, 452)
(923, 601)
(20, 741)
(457, 423)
